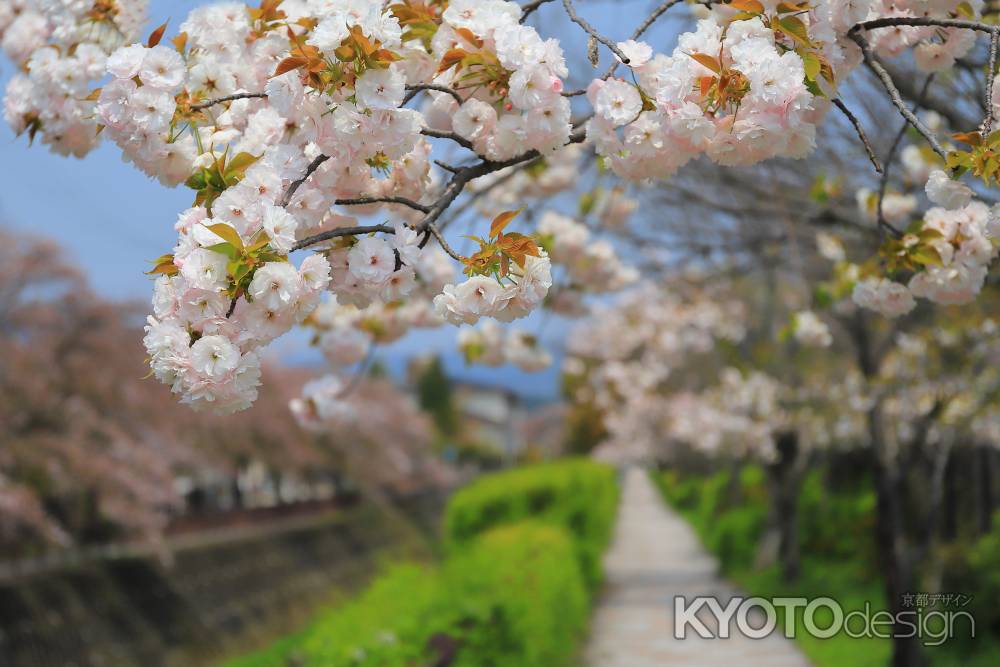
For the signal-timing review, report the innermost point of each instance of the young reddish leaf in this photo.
(156, 36)
(180, 42)
(468, 36)
(792, 7)
(451, 58)
(970, 138)
(708, 61)
(501, 221)
(752, 6)
(289, 64)
(705, 84)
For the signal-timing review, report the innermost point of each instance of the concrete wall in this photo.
(223, 595)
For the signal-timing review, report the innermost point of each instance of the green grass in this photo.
(838, 560)
(841, 581)
(731, 530)
(512, 589)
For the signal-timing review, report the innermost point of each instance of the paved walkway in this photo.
(656, 556)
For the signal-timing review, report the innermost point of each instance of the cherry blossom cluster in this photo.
(627, 353)
(730, 90)
(591, 266)
(948, 253)
(61, 47)
(810, 330)
(345, 331)
(485, 296)
(289, 121)
(514, 80)
(201, 339)
(490, 345)
(935, 49)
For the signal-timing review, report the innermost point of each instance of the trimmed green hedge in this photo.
(516, 597)
(578, 495)
(513, 589)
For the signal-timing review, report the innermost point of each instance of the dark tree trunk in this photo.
(949, 525)
(889, 542)
(785, 485)
(987, 500)
(889, 531)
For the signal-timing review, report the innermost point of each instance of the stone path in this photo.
(655, 557)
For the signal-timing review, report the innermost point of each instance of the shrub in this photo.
(836, 523)
(579, 496)
(516, 596)
(523, 555)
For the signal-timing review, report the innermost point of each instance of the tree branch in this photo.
(363, 201)
(464, 143)
(861, 132)
(991, 74)
(919, 21)
(295, 185)
(228, 98)
(893, 92)
(412, 91)
(433, 229)
(883, 224)
(528, 9)
(636, 34)
(340, 232)
(651, 19)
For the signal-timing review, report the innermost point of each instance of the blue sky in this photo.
(112, 219)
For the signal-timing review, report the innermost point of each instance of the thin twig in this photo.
(528, 9)
(339, 233)
(295, 185)
(363, 201)
(412, 91)
(360, 373)
(461, 141)
(651, 19)
(228, 98)
(590, 30)
(636, 34)
(433, 229)
(894, 94)
(861, 132)
(883, 224)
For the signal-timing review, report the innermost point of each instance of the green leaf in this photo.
(811, 63)
(238, 165)
(227, 233)
(927, 256)
(197, 180)
(794, 28)
(224, 249)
